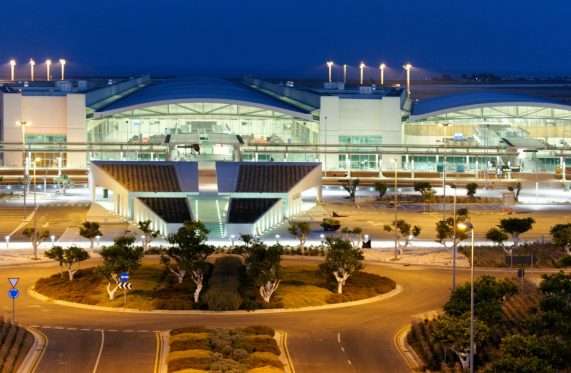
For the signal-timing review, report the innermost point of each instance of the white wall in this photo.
(49, 115)
(359, 117)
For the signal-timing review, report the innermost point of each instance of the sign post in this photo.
(124, 279)
(13, 293)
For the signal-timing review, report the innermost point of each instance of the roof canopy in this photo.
(471, 100)
(172, 91)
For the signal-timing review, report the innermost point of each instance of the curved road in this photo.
(350, 339)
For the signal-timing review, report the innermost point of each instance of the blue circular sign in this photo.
(13, 293)
(124, 276)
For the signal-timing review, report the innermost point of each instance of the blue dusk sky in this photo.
(289, 38)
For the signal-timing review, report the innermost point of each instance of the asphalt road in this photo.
(351, 339)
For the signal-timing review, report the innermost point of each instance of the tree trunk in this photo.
(179, 274)
(268, 289)
(91, 245)
(341, 279)
(71, 273)
(302, 245)
(110, 292)
(515, 237)
(197, 276)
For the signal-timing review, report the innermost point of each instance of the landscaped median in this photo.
(253, 349)
(154, 288)
(15, 342)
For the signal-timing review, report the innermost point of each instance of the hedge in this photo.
(259, 330)
(223, 292)
(261, 359)
(189, 341)
(190, 329)
(260, 343)
(195, 359)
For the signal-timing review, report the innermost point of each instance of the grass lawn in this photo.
(155, 288)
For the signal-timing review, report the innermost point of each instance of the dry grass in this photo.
(548, 256)
(302, 296)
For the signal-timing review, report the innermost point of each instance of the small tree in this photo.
(428, 195)
(454, 332)
(36, 237)
(72, 258)
(188, 253)
(515, 227)
(122, 256)
(90, 230)
(471, 189)
(355, 235)
(301, 231)
(341, 261)
(499, 237)
(516, 190)
(264, 268)
(148, 233)
(445, 228)
(63, 183)
(350, 185)
(56, 253)
(405, 232)
(381, 188)
(561, 236)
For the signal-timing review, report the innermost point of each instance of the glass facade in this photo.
(47, 154)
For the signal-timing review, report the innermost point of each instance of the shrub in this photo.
(261, 359)
(224, 285)
(190, 329)
(362, 285)
(565, 261)
(191, 371)
(189, 341)
(195, 359)
(239, 354)
(226, 366)
(259, 330)
(260, 343)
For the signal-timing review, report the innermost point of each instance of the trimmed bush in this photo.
(259, 330)
(239, 354)
(362, 285)
(191, 371)
(189, 341)
(195, 359)
(260, 343)
(565, 261)
(262, 359)
(190, 329)
(224, 285)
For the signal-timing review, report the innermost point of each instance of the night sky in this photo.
(289, 38)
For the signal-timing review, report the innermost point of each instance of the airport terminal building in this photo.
(264, 146)
(70, 123)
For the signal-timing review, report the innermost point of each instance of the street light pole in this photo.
(407, 67)
(35, 212)
(454, 243)
(470, 227)
(396, 210)
(24, 124)
(329, 67)
(445, 125)
(361, 67)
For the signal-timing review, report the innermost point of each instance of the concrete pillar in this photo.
(319, 194)
(91, 186)
(406, 162)
(412, 169)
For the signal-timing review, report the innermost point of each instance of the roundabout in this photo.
(356, 337)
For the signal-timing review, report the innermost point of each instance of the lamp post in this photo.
(62, 63)
(7, 238)
(97, 240)
(396, 211)
(454, 242)
(35, 208)
(329, 67)
(469, 226)
(407, 67)
(53, 238)
(345, 74)
(232, 239)
(362, 68)
(12, 66)
(445, 125)
(32, 64)
(48, 64)
(24, 124)
(382, 68)
(277, 239)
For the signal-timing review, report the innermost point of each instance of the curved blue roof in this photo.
(198, 90)
(469, 100)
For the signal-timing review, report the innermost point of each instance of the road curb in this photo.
(36, 352)
(397, 290)
(406, 351)
(163, 350)
(281, 338)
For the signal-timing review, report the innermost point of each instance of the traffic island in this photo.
(154, 288)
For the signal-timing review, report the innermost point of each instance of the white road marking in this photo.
(339, 338)
(128, 331)
(113, 330)
(100, 351)
(85, 329)
(71, 328)
(59, 327)
(142, 331)
(342, 349)
(349, 361)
